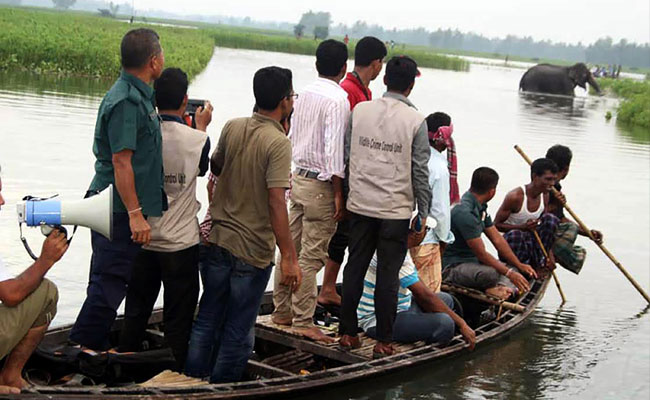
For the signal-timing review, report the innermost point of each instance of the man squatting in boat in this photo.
(385, 157)
(27, 306)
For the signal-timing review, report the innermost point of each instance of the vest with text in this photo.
(178, 228)
(380, 158)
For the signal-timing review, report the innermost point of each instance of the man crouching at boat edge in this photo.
(466, 262)
(421, 314)
(249, 214)
(27, 306)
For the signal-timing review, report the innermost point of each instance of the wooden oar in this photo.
(591, 236)
(478, 295)
(557, 281)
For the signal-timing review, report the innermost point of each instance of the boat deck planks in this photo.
(329, 350)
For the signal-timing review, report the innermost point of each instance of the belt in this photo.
(307, 173)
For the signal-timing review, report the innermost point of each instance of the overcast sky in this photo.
(558, 20)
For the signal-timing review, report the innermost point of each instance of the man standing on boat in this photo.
(466, 262)
(172, 255)
(567, 253)
(520, 224)
(321, 117)
(388, 151)
(27, 306)
(369, 54)
(427, 256)
(128, 151)
(249, 213)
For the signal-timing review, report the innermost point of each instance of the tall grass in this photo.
(75, 43)
(634, 108)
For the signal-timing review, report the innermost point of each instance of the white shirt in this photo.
(4, 272)
(440, 209)
(320, 119)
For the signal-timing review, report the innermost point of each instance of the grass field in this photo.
(76, 43)
(80, 44)
(635, 105)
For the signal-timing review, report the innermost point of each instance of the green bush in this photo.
(634, 108)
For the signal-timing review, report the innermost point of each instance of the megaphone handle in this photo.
(47, 229)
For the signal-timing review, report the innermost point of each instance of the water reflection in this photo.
(50, 84)
(635, 134)
(542, 104)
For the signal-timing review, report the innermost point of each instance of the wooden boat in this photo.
(284, 364)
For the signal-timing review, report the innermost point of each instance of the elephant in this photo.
(556, 79)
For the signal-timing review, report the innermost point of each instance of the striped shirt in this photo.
(320, 119)
(408, 276)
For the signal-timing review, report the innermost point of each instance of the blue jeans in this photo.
(222, 335)
(414, 324)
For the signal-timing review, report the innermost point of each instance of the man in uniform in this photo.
(128, 152)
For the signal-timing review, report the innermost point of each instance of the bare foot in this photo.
(315, 334)
(501, 292)
(16, 383)
(9, 390)
(327, 297)
(281, 321)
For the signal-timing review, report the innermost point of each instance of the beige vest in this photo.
(178, 228)
(380, 158)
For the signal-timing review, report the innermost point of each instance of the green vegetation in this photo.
(78, 43)
(74, 43)
(635, 104)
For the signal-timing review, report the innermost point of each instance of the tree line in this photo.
(603, 51)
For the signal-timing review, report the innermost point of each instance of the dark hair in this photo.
(331, 56)
(138, 46)
(171, 89)
(541, 165)
(483, 180)
(270, 86)
(368, 50)
(436, 120)
(561, 155)
(400, 73)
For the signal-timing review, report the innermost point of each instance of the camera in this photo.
(192, 105)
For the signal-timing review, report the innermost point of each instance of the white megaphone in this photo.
(94, 212)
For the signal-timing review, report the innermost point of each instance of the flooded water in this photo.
(596, 346)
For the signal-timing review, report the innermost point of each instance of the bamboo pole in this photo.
(557, 281)
(475, 294)
(591, 236)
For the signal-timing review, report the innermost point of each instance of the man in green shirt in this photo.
(466, 262)
(128, 151)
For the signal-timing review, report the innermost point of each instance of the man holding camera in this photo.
(128, 150)
(172, 255)
(27, 306)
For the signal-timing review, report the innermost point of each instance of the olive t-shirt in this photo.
(469, 219)
(253, 155)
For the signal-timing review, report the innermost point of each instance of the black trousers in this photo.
(179, 273)
(339, 242)
(388, 238)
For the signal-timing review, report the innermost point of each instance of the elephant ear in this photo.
(573, 75)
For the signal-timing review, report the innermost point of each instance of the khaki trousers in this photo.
(311, 222)
(37, 309)
(429, 265)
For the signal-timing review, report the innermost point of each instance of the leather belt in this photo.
(307, 173)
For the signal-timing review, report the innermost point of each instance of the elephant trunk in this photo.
(593, 83)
